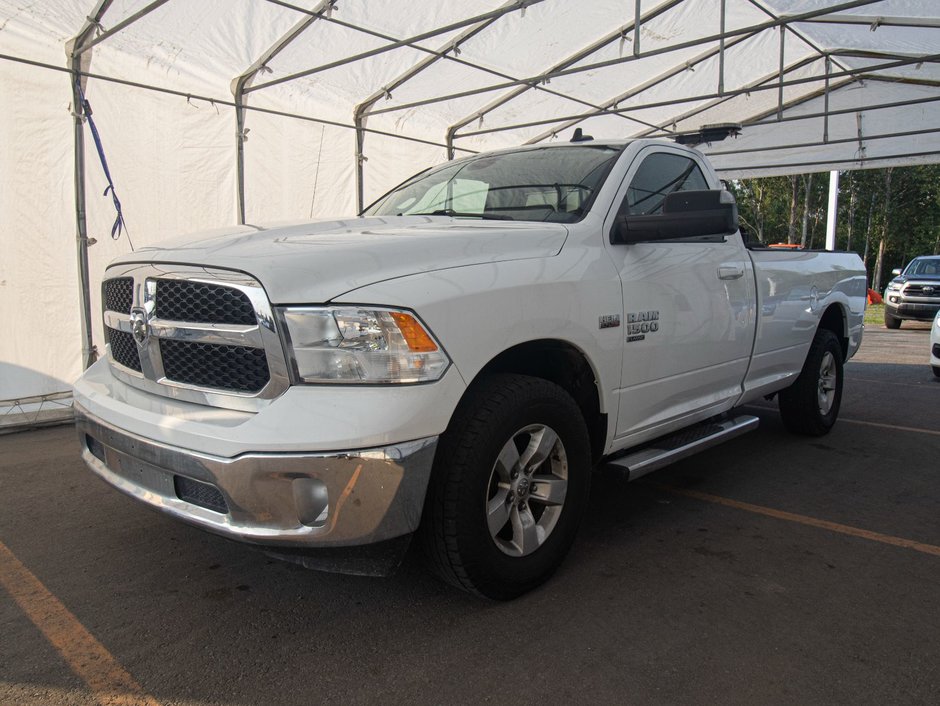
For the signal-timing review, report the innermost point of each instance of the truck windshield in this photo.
(924, 266)
(548, 184)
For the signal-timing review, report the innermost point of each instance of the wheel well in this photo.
(833, 319)
(567, 367)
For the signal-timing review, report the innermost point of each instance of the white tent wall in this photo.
(295, 169)
(484, 74)
(40, 349)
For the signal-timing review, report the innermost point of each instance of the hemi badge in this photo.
(608, 321)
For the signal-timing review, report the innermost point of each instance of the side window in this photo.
(660, 174)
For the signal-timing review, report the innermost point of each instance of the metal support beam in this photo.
(840, 141)
(809, 96)
(876, 21)
(855, 74)
(243, 80)
(637, 23)
(783, 44)
(859, 163)
(476, 19)
(523, 86)
(826, 101)
(123, 24)
(757, 121)
(721, 49)
(223, 102)
(73, 50)
(832, 213)
(534, 80)
(615, 102)
(361, 111)
(797, 33)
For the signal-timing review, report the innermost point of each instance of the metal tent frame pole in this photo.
(832, 213)
(78, 51)
(855, 75)
(74, 49)
(565, 63)
(241, 82)
(570, 71)
(362, 110)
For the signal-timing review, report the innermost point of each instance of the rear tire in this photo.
(891, 321)
(936, 370)
(810, 406)
(509, 487)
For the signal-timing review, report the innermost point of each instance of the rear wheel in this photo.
(810, 406)
(891, 321)
(509, 488)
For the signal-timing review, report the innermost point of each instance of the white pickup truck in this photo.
(455, 361)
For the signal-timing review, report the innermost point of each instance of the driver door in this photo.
(688, 318)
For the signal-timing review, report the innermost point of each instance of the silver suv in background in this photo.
(913, 294)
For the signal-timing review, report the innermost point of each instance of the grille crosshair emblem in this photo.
(928, 290)
(139, 327)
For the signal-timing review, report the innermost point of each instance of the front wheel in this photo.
(936, 370)
(891, 321)
(510, 484)
(810, 406)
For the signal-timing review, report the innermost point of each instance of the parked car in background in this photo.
(935, 345)
(913, 294)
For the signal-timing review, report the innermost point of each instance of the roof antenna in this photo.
(579, 136)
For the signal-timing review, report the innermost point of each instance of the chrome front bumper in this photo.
(344, 498)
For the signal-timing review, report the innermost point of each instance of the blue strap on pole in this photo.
(119, 224)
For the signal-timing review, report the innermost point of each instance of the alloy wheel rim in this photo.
(526, 490)
(826, 387)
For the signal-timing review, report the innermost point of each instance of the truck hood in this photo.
(317, 261)
(903, 279)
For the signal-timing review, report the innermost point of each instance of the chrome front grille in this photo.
(236, 368)
(199, 302)
(197, 334)
(123, 349)
(119, 294)
(922, 289)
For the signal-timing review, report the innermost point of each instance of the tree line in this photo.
(888, 216)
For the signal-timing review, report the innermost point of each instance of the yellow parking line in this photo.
(110, 683)
(880, 425)
(917, 430)
(804, 520)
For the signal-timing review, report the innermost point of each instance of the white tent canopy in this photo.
(214, 112)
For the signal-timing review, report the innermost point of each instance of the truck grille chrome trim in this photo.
(193, 333)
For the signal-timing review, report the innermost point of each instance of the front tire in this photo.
(891, 321)
(936, 370)
(510, 485)
(810, 406)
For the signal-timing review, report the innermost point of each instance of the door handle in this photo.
(730, 272)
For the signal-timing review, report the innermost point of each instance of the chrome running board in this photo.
(685, 442)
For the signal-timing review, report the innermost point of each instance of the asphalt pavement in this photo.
(772, 569)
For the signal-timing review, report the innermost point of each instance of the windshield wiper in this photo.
(459, 214)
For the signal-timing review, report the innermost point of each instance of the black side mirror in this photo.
(686, 214)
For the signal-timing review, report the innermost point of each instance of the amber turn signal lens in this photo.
(414, 334)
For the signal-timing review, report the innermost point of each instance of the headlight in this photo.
(365, 346)
(894, 287)
(937, 320)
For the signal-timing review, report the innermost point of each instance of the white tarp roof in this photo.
(816, 84)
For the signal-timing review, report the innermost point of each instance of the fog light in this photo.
(893, 300)
(312, 501)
